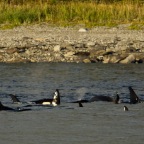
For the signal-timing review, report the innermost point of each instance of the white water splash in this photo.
(81, 92)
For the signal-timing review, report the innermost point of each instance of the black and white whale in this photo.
(54, 101)
(6, 108)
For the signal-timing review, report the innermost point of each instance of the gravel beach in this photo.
(44, 43)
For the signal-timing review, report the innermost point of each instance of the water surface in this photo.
(97, 122)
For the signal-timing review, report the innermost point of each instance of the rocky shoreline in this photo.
(43, 43)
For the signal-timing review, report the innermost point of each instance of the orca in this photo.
(54, 101)
(133, 96)
(2, 107)
(116, 99)
(134, 99)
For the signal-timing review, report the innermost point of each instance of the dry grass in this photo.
(89, 13)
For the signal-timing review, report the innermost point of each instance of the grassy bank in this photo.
(63, 13)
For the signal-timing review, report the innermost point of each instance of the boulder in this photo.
(130, 59)
(11, 50)
(91, 44)
(111, 59)
(69, 54)
(57, 48)
(87, 61)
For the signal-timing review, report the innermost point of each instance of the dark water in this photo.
(97, 122)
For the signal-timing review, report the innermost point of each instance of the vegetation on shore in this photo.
(72, 12)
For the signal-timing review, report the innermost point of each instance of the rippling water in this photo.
(97, 122)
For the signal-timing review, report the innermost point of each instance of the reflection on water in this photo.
(97, 122)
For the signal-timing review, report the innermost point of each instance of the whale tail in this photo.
(56, 97)
(133, 96)
(14, 98)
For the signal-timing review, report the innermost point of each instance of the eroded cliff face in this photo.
(42, 43)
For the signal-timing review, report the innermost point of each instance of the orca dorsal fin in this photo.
(56, 97)
(116, 98)
(133, 96)
(126, 108)
(80, 104)
(14, 98)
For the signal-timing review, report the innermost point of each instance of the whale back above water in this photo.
(101, 98)
(2, 107)
(80, 101)
(5, 108)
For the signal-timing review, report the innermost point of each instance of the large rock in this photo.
(130, 59)
(87, 61)
(91, 44)
(69, 54)
(111, 59)
(57, 48)
(11, 50)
